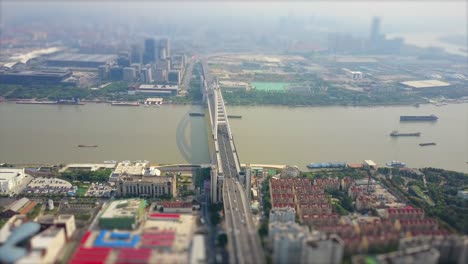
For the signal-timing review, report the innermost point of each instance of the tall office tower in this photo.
(103, 71)
(149, 56)
(160, 75)
(174, 77)
(129, 74)
(375, 30)
(163, 64)
(164, 49)
(123, 60)
(146, 75)
(135, 54)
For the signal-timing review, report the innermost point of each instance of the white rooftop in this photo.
(8, 174)
(425, 84)
(91, 166)
(131, 168)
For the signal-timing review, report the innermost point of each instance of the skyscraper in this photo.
(149, 56)
(164, 49)
(135, 54)
(375, 30)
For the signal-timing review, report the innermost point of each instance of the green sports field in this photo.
(270, 86)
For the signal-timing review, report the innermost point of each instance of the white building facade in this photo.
(10, 179)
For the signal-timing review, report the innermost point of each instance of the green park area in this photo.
(270, 86)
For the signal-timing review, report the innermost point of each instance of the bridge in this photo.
(243, 241)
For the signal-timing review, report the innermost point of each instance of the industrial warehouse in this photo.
(31, 77)
(80, 60)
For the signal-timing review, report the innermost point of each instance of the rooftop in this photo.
(156, 87)
(89, 166)
(123, 208)
(425, 84)
(131, 168)
(8, 174)
(17, 205)
(151, 178)
(82, 57)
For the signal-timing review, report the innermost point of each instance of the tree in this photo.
(222, 240)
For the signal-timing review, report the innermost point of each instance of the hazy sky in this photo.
(446, 15)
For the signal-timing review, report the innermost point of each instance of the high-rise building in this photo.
(149, 56)
(103, 72)
(129, 74)
(375, 29)
(135, 54)
(160, 75)
(116, 73)
(173, 77)
(123, 60)
(164, 48)
(163, 64)
(146, 75)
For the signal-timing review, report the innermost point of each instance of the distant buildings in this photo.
(135, 54)
(377, 43)
(354, 75)
(129, 74)
(10, 179)
(146, 74)
(80, 60)
(42, 77)
(157, 90)
(164, 49)
(150, 52)
(174, 77)
(425, 84)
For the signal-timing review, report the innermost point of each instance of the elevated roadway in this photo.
(243, 241)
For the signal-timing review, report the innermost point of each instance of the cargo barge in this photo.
(419, 118)
(196, 114)
(125, 104)
(234, 116)
(58, 102)
(396, 164)
(427, 144)
(326, 165)
(87, 146)
(398, 134)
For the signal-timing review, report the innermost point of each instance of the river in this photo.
(265, 134)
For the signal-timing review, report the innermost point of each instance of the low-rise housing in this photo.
(22, 206)
(407, 212)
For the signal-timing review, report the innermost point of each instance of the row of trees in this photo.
(320, 95)
(442, 187)
(91, 176)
